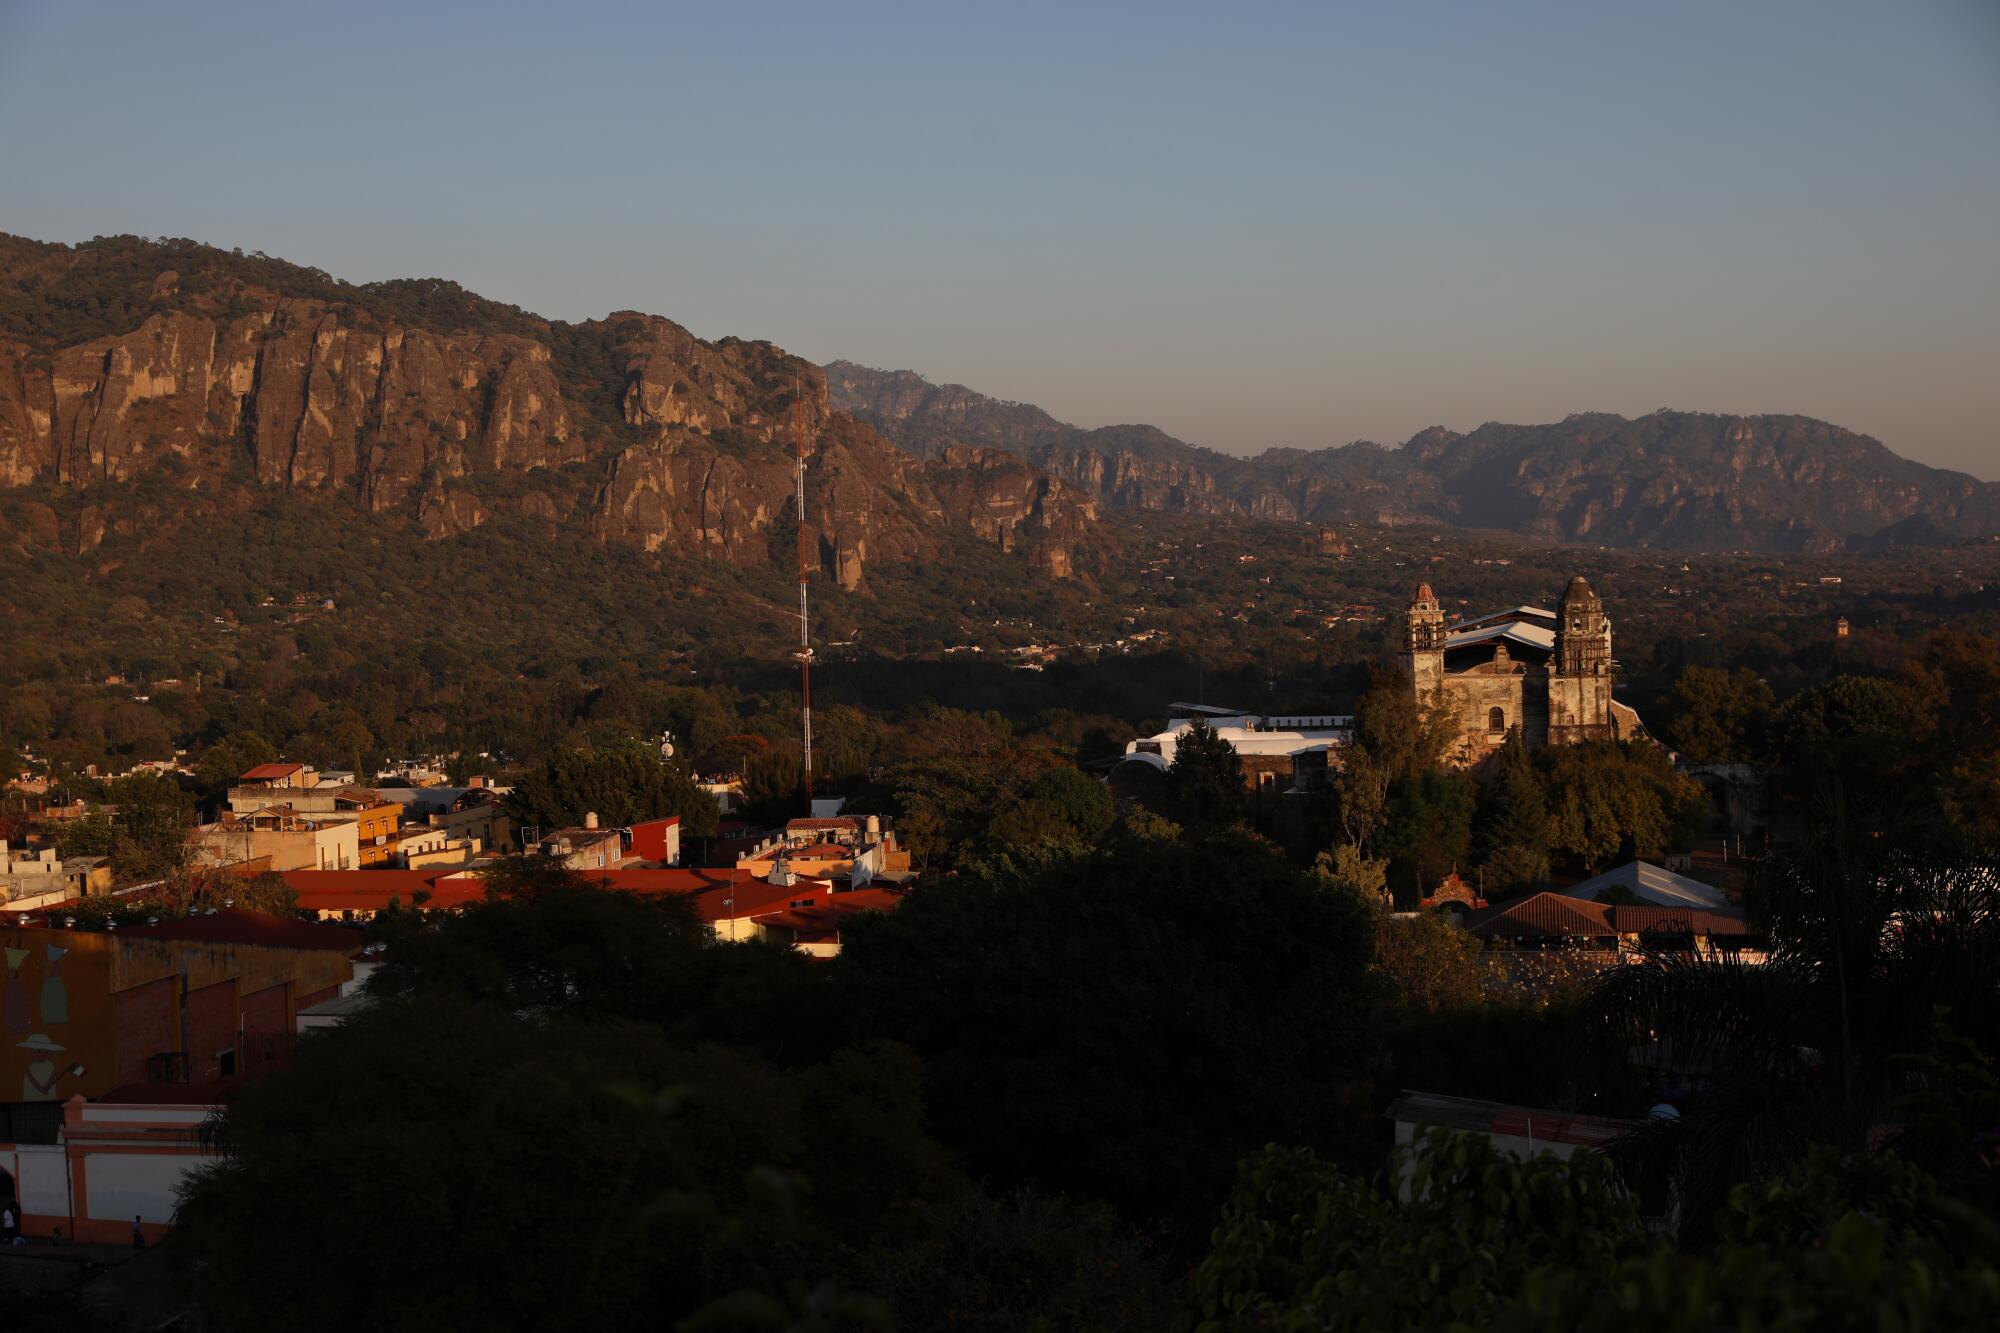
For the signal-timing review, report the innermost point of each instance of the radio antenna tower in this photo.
(805, 653)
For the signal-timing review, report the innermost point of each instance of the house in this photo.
(427, 847)
(734, 904)
(586, 847)
(656, 841)
(1283, 753)
(38, 877)
(288, 839)
(1554, 920)
(375, 824)
(1518, 1131)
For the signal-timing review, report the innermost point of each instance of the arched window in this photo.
(1496, 722)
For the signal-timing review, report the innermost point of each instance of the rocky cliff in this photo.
(124, 359)
(1673, 479)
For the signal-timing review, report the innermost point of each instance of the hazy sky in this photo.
(1248, 224)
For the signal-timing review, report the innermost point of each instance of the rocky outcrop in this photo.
(418, 395)
(1673, 479)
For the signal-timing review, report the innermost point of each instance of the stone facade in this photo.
(1547, 672)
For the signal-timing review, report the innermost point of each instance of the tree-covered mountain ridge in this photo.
(1676, 480)
(126, 359)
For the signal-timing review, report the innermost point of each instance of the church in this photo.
(1547, 672)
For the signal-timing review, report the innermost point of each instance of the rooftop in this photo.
(238, 925)
(1435, 1109)
(269, 772)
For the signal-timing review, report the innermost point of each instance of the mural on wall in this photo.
(38, 1084)
(14, 996)
(55, 995)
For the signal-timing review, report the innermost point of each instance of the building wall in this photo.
(118, 1002)
(41, 1185)
(1475, 694)
(375, 833)
(212, 1031)
(658, 840)
(146, 1023)
(1579, 709)
(267, 1022)
(487, 821)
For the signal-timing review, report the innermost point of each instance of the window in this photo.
(1496, 722)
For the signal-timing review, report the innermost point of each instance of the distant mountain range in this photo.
(1684, 480)
(143, 382)
(146, 381)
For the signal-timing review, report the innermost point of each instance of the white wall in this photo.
(122, 1186)
(41, 1178)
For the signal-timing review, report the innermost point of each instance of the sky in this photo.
(1252, 225)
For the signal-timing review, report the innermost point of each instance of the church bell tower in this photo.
(1583, 633)
(1423, 641)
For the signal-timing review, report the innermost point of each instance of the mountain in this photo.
(125, 359)
(1688, 480)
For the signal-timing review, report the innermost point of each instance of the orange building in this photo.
(188, 999)
(376, 821)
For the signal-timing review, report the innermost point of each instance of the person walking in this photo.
(138, 1235)
(10, 1224)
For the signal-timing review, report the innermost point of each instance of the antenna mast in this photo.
(805, 653)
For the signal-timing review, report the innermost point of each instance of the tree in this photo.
(622, 785)
(563, 1175)
(1716, 716)
(1461, 1236)
(154, 819)
(1303, 1245)
(1512, 825)
(1431, 964)
(1868, 943)
(1616, 799)
(1397, 738)
(1206, 777)
(228, 759)
(1049, 1004)
(1428, 831)
(1346, 870)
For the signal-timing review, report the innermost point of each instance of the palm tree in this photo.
(1873, 930)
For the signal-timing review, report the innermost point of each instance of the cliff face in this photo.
(424, 397)
(1673, 479)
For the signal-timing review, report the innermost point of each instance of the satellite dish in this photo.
(667, 745)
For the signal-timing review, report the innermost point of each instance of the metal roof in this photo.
(1652, 884)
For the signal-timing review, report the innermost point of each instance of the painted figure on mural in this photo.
(55, 995)
(14, 996)
(39, 1083)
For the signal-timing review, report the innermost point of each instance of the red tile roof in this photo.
(838, 822)
(265, 772)
(1545, 914)
(1541, 914)
(374, 890)
(1678, 920)
(236, 925)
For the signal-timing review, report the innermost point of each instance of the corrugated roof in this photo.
(1677, 921)
(1653, 884)
(1541, 914)
(1522, 632)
